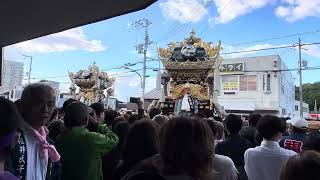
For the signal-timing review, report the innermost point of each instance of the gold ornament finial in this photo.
(192, 39)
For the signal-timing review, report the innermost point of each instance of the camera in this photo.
(134, 100)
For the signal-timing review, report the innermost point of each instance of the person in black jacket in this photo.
(250, 132)
(9, 123)
(234, 146)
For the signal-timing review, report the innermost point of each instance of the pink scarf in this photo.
(44, 145)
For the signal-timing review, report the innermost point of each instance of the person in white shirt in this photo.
(264, 162)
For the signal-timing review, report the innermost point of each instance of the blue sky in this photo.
(110, 43)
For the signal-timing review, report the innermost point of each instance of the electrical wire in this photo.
(234, 52)
(276, 38)
(178, 27)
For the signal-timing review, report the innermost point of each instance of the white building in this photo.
(54, 84)
(305, 109)
(256, 84)
(12, 75)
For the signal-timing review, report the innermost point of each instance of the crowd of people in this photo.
(80, 142)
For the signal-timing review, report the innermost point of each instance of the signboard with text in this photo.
(230, 83)
(234, 68)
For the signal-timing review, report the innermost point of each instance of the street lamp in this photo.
(30, 66)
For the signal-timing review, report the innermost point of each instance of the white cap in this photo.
(298, 122)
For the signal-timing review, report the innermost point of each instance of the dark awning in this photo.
(22, 20)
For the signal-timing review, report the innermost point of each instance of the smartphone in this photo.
(134, 100)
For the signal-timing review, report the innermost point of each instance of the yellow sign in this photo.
(231, 86)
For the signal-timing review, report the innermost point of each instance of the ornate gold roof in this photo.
(190, 60)
(212, 51)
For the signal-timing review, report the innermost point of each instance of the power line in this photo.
(255, 50)
(178, 26)
(207, 24)
(276, 38)
(171, 30)
(286, 70)
(226, 53)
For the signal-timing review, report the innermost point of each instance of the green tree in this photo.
(311, 92)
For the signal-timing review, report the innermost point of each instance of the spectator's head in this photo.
(154, 111)
(109, 116)
(37, 104)
(160, 119)
(133, 118)
(312, 143)
(92, 115)
(55, 129)
(299, 125)
(126, 116)
(66, 103)
(304, 166)
(77, 115)
(99, 109)
(217, 118)
(253, 119)
(9, 122)
(121, 129)
(117, 120)
(217, 129)
(271, 127)
(142, 142)
(186, 146)
(233, 123)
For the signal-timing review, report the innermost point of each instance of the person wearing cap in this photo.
(82, 150)
(297, 138)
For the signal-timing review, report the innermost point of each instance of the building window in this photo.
(266, 82)
(230, 83)
(248, 83)
(296, 107)
(284, 111)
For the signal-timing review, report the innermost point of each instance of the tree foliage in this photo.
(311, 92)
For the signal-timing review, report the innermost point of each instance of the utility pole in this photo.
(300, 75)
(144, 23)
(30, 67)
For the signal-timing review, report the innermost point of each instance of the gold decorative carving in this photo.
(92, 83)
(197, 91)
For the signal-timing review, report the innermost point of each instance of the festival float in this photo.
(188, 79)
(93, 85)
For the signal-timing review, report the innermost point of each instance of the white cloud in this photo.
(312, 50)
(149, 54)
(126, 87)
(231, 9)
(184, 11)
(134, 82)
(294, 10)
(73, 39)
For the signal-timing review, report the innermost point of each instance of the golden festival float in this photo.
(188, 78)
(93, 84)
